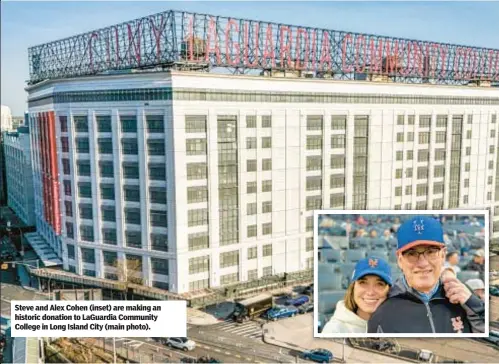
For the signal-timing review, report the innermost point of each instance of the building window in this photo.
(107, 191)
(465, 199)
(309, 244)
(398, 207)
(398, 173)
(131, 170)
(195, 124)
(267, 186)
(491, 149)
(337, 200)
(109, 236)
(197, 194)
(63, 121)
(133, 239)
(438, 187)
(157, 195)
(252, 253)
(267, 228)
(195, 146)
(105, 145)
(423, 155)
(131, 193)
(314, 163)
(88, 255)
(67, 188)
(68, 205)
(128, 124)
(410, 136)
(314, 122)
(399, 155)
(309, 224)
(158, 218)
(106, 169)
(251, 231)
(198, 241)
(408, 172)
(110, 258)
(440, 136)
(229, 259)
(266, 207)
(81, 124)
(267, 164)
(129, 146)
(250, 121)
(103, 123)
(314, 202)
(159, 266)
(229, 278)
(410, 119)
(424, 137)
(156, 147)
(71, 251)
(251, 165)
(400, 119)
(489, 196)
(492, 133)
(159, 242)
(199, 264)
(196, 171)
(267, 272)
(398, 191)
(85, 189)
(198, 217)
(157, 171)
(199, 285)
(470, 119)
(132, 216)
(466, 182)
(314, 183)
(493, 118)
(155, 123)
(422, 172)
(70, 230)
(82, 145)
(467, 167)
(438, 204)
(441, 121)
(87, 233)
(251, 187)
(338, 141)
(424, 121)
(410, 155)
(252, 274)
(314, 142)
(337, 161)
(266, 142)
(266, 121)
(440, 154)
(468, 134)
(491, 165)
(86, 211)
(337, 181)
(421, 190)
(439, 171)
(408, 190)
(489, 180)
(251, 208)
(251, 143)
(400, 137)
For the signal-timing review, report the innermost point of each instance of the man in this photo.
(420, 301)
(452, 261)
(478, 262)
(477, 286)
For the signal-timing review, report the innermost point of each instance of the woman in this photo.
(369, 288)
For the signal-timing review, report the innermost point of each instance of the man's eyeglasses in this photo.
(430, 254)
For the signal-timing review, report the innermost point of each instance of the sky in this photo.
(24, 24)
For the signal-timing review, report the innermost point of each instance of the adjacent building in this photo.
(20, 196)
(200, 180)
(5, 125)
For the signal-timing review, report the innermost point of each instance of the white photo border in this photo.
(485, 213)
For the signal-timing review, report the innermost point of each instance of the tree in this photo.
(128, 271)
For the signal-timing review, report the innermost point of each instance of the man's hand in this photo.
(455, 290)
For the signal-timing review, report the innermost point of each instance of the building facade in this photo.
(205, 180)
(20, 196)
(5, 125)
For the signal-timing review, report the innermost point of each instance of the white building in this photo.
(20, 196)
(212, 179)
(5, 119)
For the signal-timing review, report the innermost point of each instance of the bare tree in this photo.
(128, 271)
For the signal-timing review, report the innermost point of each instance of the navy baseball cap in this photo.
(420, 230)
(374, 266)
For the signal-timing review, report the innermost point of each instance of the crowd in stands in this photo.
(345, 239)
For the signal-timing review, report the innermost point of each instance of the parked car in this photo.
(309, 290)
(297, 301)
(318, 355)
(280, 312)
(494, 291)
(207, 359)
(307, 307)
(493, 337)
(182, 343)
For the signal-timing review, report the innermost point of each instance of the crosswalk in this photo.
(250, 329)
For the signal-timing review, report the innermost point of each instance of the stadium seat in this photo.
(378, 243)
(392, 256)
(392, 244)
(364, 243)
(328, 300)
(347, 270)
(329, 277)
(463, 276)
(332, 255)
(354, 255)
(382, 254)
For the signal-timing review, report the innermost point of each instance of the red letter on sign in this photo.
(376, 60)
(325, 52)
(299, 65)
(157, 34)
(93, 35)
(269, 44)
(285, 49)
(314, 50)
(212, 35)
(348, 37)
(360, 41)
(235, 45)
(247, 45)
(136, 43)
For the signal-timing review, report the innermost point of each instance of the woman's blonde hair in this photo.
(349, 299)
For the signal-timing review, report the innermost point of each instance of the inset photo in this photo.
(401, 273)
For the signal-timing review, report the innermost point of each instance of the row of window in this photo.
(253, 96)
(131, 193)
(155, 123)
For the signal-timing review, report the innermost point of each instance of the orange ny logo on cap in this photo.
(373, 263)
(457, 324)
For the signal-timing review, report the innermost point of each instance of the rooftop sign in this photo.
(174, 38)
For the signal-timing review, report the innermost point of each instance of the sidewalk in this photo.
(297, 334)
(200, 318)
